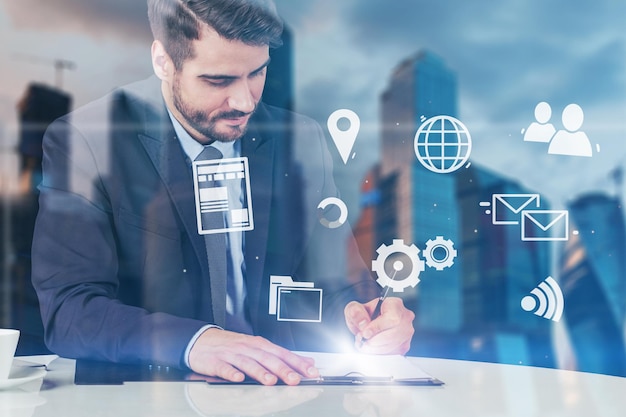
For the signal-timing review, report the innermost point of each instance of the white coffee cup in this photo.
(8, 344)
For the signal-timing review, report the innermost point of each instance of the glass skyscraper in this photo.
(421, 202)
(593, 272)
(470, 310)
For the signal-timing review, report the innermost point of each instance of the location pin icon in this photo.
(344, 139)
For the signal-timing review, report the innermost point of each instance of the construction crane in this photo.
(60, 65)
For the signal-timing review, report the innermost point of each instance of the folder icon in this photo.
(299, 304)
(507, 208)
(294, 300)
(545, 225)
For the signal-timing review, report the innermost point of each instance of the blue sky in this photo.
(508, 56)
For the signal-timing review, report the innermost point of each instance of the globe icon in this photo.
(443, 144)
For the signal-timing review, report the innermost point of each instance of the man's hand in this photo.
(389, 333)
(232, 356)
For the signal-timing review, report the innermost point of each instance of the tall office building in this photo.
(593, 278)
(39, 106)
(470, 310)
(420, 87)
(499, 269)
(418, 205)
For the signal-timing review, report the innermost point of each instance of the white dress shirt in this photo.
(235, 303)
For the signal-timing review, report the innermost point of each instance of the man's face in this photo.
(214, 94)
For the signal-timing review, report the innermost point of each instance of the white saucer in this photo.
(20, 400)
(20, 375)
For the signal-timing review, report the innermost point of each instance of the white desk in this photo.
(471, 389)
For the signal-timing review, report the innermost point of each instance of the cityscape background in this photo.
(486, 64)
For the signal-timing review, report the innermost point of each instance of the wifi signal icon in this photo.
(546, 300)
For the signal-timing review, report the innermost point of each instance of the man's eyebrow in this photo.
(265, 64)
(232, 77)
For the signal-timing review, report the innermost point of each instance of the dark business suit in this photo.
(120, 269)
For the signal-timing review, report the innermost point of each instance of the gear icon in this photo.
(439, 263)
(398, 247)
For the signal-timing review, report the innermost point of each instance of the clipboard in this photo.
(355, 369)
(348, 381)
(368, 381)
(345, 369)
(361, 369)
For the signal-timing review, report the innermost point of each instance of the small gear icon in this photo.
(398, 247)
(439, 262)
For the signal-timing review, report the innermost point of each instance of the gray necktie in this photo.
(216, 252)
(227, 284)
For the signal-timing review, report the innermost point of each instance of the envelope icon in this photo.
(545, 225)
(507, 208)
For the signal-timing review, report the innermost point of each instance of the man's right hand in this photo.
(232, 356)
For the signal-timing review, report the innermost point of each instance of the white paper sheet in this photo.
(354, 364)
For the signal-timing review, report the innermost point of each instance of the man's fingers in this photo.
(232, 356)
(258, 365)
(255, 370)
(389, 333)
(357, 317)
(388, 319)
(285, 361)
(305, 366)
(228, 372)
(385, 343)
(279, 366)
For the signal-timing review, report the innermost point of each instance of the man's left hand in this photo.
(389, 333)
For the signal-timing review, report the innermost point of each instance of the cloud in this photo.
(454, 24)
(294, 14)
(112, 18)
(506, 54)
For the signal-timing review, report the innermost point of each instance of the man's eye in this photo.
(259, 73)
(218, 83)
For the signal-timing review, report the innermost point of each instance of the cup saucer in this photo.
(20, 375)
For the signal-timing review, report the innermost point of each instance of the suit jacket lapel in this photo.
(159, 140)
(259, 145)
(260, 153)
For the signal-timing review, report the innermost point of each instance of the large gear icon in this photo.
(439, 243)
(398, 246)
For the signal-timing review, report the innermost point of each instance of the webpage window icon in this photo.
(223, 196)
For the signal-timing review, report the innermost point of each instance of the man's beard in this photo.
(205, 125)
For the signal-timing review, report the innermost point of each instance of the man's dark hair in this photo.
(177, 23)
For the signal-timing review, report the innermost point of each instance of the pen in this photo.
(381, 299)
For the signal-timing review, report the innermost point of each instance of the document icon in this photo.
(545, 225)
(294, 301)
(506, 208)
(223, 195)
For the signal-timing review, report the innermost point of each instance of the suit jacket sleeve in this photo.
(326, 259)
(76, 265)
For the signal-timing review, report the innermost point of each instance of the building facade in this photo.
(471, 309)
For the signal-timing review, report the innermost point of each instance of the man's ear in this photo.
(162, 64)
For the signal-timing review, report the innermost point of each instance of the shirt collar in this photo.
(193, 148)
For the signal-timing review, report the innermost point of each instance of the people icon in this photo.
(571, 141)
(541, 130)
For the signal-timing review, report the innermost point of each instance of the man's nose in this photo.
(241, 98)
